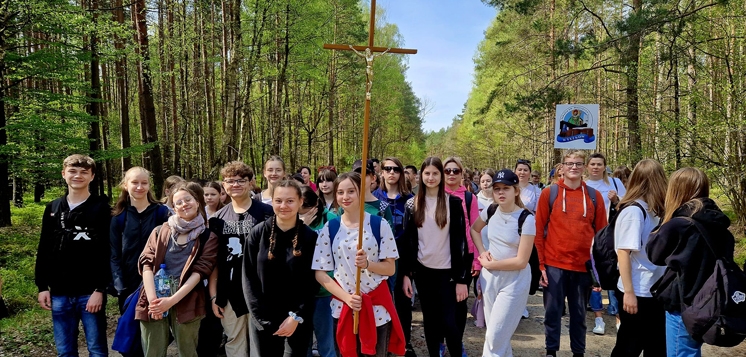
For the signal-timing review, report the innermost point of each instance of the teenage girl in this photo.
(485, 189)
(454, 173)
(612, 190)
(168, 185)
(212, 198)
(274, 172)
(305, 172)
(325, 183)
(379, 330)
(679, 245)
(504, 255)
(436, 254)
(189, 252)
(529, 193)
(643, 320)
(136, 214)
(279, 283)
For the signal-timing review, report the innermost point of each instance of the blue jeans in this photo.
(67, 313)
(597, 302)
(678, 341)
(323, 328)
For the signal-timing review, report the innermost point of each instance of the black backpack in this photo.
(603, 263)
(533, 261)
(717, 314)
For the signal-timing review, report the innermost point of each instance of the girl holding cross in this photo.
(337, 250)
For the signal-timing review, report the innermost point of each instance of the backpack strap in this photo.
(616, 188)
(553, 193)
(706, 237)
(468, 197)
(522, 219)
(375, 227)
(491, 212)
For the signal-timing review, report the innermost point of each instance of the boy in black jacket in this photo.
(72, 262)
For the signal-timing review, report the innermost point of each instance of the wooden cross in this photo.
(369, 52)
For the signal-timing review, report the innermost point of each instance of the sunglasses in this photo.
(452, 171)
(392, 168)
(523, 161)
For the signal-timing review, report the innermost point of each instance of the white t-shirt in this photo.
(434, 243)
(632, 233)
(484, 201)
(344, 248)
(530, 197)
(502, 237)
(603, 188)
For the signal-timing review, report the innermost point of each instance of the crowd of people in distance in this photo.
(228, 267)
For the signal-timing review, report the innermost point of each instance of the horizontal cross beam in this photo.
(372, 49)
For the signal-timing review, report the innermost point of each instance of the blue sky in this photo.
(446, 33)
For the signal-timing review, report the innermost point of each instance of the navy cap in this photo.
(357, 166)
(505, 177)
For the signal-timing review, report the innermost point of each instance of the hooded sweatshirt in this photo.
(564, 238)
(680, 246)
(471, 214)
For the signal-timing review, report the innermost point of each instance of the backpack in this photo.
(468, 197)
(613, 211)
(533, 261)
(375, 227)
(603, 263)
(717, 315)
(554, 192)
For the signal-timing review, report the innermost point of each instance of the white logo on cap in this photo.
(738, 297)
(500, 175)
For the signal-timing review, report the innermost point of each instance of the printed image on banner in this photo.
(576, 126)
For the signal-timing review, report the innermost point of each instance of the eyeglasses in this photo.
(186, 200)
(573, 164)
(392, 168)
(452, 171)
(240, 182)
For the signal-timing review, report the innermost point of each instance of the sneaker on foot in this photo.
(525, 314)
(463, 351)
(617, 326)
(410, 351)
(442, 351)
(600, 327)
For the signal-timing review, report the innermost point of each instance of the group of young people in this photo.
(267, 272)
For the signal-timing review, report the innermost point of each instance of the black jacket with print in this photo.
(73, 254)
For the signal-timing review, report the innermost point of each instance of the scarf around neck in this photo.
(192, 228)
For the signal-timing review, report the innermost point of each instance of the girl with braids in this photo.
(325, 182)
(279, 284)
(336, 250)
(274, 172)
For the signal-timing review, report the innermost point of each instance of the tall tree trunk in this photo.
(153, 158)
(631, 60)
(120, 66)
(93, 107)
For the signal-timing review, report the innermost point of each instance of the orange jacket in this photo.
(565, 242)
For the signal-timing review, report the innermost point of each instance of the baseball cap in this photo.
(505, 177)
(357, 166)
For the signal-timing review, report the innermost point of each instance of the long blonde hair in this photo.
(647, 182)
(685, 186)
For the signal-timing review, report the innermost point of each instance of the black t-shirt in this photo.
(232, 229)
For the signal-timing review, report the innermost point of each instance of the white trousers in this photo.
(505, 295)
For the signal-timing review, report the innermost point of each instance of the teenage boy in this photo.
(410, 173)
(564, 236)
(232, 225)
(72, 262)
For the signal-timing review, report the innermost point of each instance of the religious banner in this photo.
(576, 126)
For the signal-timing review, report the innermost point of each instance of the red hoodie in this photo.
(574, 222)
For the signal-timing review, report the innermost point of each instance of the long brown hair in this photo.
(124, 195)
(296, 252)
(685, 186)
(441, 208)
(647, 182)
(195, 190)
(402, 184)
(326, 175)
(217, 187)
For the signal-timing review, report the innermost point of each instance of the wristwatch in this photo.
(295, 317)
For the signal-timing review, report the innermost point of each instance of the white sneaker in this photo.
(525, 314)
(617, 326)
(600, 327)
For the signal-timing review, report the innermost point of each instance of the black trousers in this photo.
(263, 343)
(442, 316)
(210, 330)
(643, 332)
(403, 306)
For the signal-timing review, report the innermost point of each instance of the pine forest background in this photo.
(184, 86)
